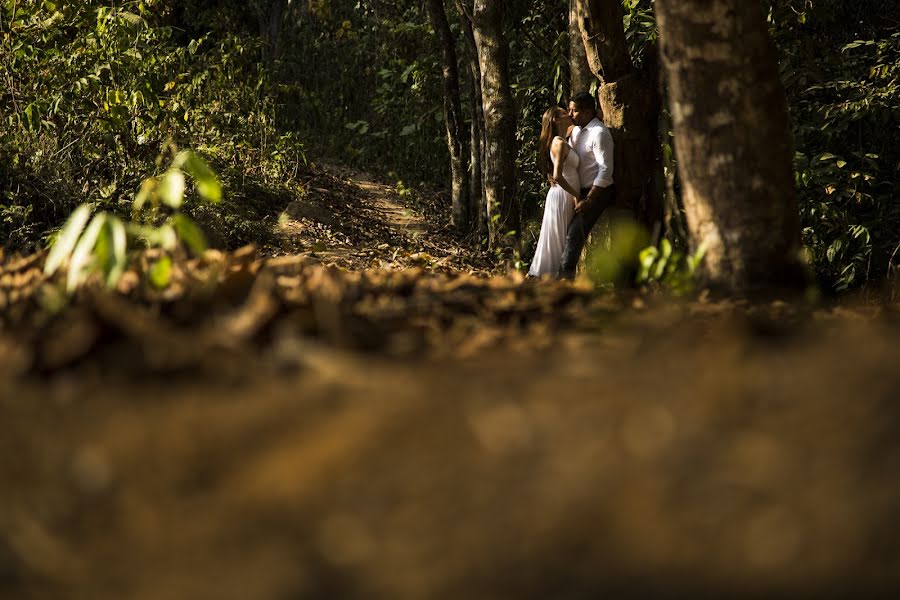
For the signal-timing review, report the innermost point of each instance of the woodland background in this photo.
(92, 91)
(351, 396)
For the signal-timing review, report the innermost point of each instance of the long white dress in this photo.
(558, 212)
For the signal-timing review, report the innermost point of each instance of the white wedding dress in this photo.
(558, 212)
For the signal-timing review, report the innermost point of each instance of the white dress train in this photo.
(559, 209)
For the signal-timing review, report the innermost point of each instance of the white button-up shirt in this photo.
(594, 145)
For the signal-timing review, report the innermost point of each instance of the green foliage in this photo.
(92, 92)
(640, 28)
(840, 63)
(100, 244)
(618, 263)
(373, 97)
(669, 267)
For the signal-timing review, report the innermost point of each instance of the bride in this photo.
(559, 163)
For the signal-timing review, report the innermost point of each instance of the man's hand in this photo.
(583, 204)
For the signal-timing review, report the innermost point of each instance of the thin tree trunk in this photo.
(459, 171)
(477, 204)
(732, 140)
(271, 15)
(499, 124)
(580, 76)
(629, 100)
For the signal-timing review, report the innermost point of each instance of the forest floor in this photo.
(369, 409)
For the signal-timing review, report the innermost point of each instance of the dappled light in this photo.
(449, 299)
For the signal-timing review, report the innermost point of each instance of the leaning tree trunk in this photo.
(499, 123)
(477, 204)
(629, 100)
(459, 169)
(732, 139)
(580, 76)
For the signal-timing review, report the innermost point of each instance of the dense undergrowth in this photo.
(95, 96)
(840, 63)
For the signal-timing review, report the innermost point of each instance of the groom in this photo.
(593, 143)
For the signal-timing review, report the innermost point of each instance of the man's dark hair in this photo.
(584, 100)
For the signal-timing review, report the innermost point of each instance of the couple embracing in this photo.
(576, 155)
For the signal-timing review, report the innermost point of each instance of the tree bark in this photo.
(732, 139)
(580, 75)
(459, 171)
(271, 15)
(477, 204)
(499, 124)
(629, 101)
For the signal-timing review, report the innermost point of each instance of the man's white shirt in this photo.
(594, 145)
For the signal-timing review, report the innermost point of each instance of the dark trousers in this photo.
(579, 229)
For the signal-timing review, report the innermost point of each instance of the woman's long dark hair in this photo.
(548, 132)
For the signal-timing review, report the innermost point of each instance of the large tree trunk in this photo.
(732, 140)
(629, 100)
(477, 205)
(499, 123)
(580, 76)
(459, 169)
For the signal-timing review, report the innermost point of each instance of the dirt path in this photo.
(349, 220)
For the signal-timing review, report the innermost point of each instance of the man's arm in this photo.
(602, 148)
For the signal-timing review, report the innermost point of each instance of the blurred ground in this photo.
(275, 427)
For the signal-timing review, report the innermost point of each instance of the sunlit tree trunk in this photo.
(459, 169)
(629, 100)
(499, 123)
(580, 76)
(477, 204)
(732, 140)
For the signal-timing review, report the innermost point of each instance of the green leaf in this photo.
(695, 259)
(204, 178)
(145, 193)
(160, 273)
(102, 250)
(171, 188)
(67, 238)
(834, 249)
(32, 115)
(665, 247)
(82, 255)
(646, 257)
(841, 164)
(167, 237)
(119, 257)
(189, 233)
